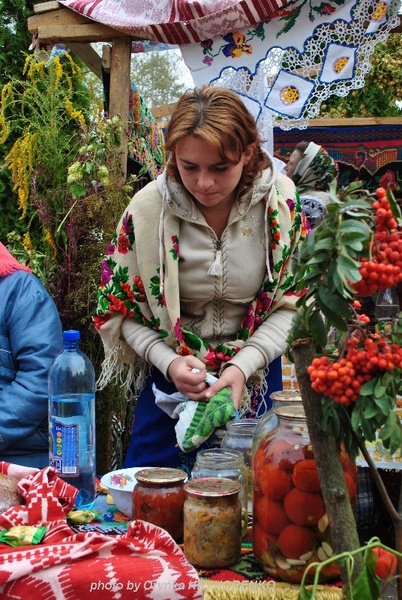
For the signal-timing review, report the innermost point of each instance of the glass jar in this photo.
(212, 522)
(290, 524)
(228, 463)
(269, 421)
(158, 497)
(239, 436)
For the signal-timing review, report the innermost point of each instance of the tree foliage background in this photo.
(157, 77)
(14, 43)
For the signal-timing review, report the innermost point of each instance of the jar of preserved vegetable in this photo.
(158, 497)
(239, 436)
(212, 522)
(290, 525)
(228, 463)
(269, 421)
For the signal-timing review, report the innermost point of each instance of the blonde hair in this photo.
(218, 117)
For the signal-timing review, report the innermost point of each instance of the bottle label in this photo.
(384, 327)
(64, 446)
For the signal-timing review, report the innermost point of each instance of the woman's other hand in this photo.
(232, 378)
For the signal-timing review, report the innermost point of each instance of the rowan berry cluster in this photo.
(384, 268)
(365, 358)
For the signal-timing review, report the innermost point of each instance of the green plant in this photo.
(358, 376)
(379, 567)
(63, 168)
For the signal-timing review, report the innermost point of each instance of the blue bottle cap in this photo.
(71, 335)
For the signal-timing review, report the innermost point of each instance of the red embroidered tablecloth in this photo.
(143, 562)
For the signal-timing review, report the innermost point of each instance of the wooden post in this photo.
(119, 98)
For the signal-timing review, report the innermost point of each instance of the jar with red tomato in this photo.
(158, 497)
(290, 524)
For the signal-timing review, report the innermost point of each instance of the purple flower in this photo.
(290, 203)
(208, 60)
(248, 321)
(110, 249)
(106, 273)
(126, 224)
(178, 331)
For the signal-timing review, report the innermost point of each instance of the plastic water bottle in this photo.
(386, 309)
(72, 419)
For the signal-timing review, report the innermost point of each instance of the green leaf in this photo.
(390, 424)
(305, 594)
(333, 318)
(396, 211)
(367, 585)
(192, 340)
(383, 404)
(317, 259)
(318, 328)
(371, 410)
(367, 388)
(348, 268)
(395, 440)
(337, 303)
(326, 243)
(353, 229)
(379, 388)
(77, 190)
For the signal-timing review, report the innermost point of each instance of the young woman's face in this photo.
(293, 161)
(209, 180)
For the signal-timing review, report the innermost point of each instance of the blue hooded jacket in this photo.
(30, 339)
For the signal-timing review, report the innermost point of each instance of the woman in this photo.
(198, 277)
(313, 171)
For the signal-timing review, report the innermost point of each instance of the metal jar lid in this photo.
(160, 475)
(292, 411)
(212, 487)
(286, 396)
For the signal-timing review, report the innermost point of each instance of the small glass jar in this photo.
(228, 463)
(239, 436)
(290, 524)
(212, 522)
(158, 497)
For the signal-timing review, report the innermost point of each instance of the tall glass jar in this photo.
(239, 436)
(228, 463)
(158, 497)
(269, 421)
(212, 522)
(290, 524)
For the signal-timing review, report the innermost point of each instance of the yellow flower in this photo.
(49, 239)
(59, 71)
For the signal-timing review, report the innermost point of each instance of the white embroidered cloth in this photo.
(176, 21)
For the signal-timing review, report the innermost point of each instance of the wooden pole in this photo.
(119, 99)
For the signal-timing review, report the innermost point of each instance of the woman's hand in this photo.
(232, 378)
(191, 384)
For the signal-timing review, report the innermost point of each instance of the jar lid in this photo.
(286, 396)
(293, 411)
(160, 475)
(212, 486)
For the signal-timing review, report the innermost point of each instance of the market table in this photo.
(243, 581)
(113, 558)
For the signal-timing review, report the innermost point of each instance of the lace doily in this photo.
(285, 68)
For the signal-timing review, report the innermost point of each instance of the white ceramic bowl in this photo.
(120, 484)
